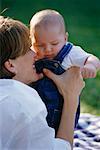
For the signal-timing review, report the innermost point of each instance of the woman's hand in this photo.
(69, 82)
(70, 85)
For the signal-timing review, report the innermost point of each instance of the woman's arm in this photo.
(70, 92)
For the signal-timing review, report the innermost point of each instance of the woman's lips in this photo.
(34, 66)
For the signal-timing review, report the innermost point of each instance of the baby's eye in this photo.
(55, 43)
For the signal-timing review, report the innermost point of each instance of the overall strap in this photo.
(63, 52)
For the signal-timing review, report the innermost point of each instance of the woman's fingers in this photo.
(51, 75)
(70, 81)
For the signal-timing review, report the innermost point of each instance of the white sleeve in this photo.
(76, 57)
(35, 134)
(21, 131)
(23, 123)
(42, 137)
(61, 144)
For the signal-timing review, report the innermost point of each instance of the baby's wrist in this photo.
(96, 65)
(90, 65)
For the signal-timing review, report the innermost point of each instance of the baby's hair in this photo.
(45, 18)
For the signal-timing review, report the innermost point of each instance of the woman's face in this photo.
(24, 68)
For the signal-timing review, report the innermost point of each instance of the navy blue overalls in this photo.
(51, 96)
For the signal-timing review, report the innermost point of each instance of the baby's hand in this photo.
(89, 71)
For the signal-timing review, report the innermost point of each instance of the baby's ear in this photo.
(66, 36)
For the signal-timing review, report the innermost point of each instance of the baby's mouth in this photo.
(49, 56)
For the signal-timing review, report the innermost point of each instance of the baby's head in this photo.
(48, 35)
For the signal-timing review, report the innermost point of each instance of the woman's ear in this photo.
(9, 65)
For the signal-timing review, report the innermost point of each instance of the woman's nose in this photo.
(33, 54)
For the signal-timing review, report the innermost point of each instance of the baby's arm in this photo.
(91, 66)
(88, 63)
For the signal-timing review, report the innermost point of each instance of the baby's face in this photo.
(47, 42)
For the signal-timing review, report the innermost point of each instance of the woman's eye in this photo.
(39, 45)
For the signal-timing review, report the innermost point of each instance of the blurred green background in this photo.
(83, 20)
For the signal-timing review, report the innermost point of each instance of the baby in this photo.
(50, 40)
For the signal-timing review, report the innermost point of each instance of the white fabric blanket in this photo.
(87, 134)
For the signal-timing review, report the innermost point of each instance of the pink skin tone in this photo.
(27, 65)
(25, 72)
(48, 42)
(88, 71)
(91, 67)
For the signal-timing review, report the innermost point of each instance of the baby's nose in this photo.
(49, 48)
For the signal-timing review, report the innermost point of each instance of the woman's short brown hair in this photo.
(14, 42)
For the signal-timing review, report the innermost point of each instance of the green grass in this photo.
(91, 96)
(83, 20)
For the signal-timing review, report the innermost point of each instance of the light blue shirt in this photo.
(23, 123)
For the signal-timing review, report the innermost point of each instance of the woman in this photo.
(23, 114)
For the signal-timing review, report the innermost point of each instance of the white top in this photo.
(22, 120)
(76, 57)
